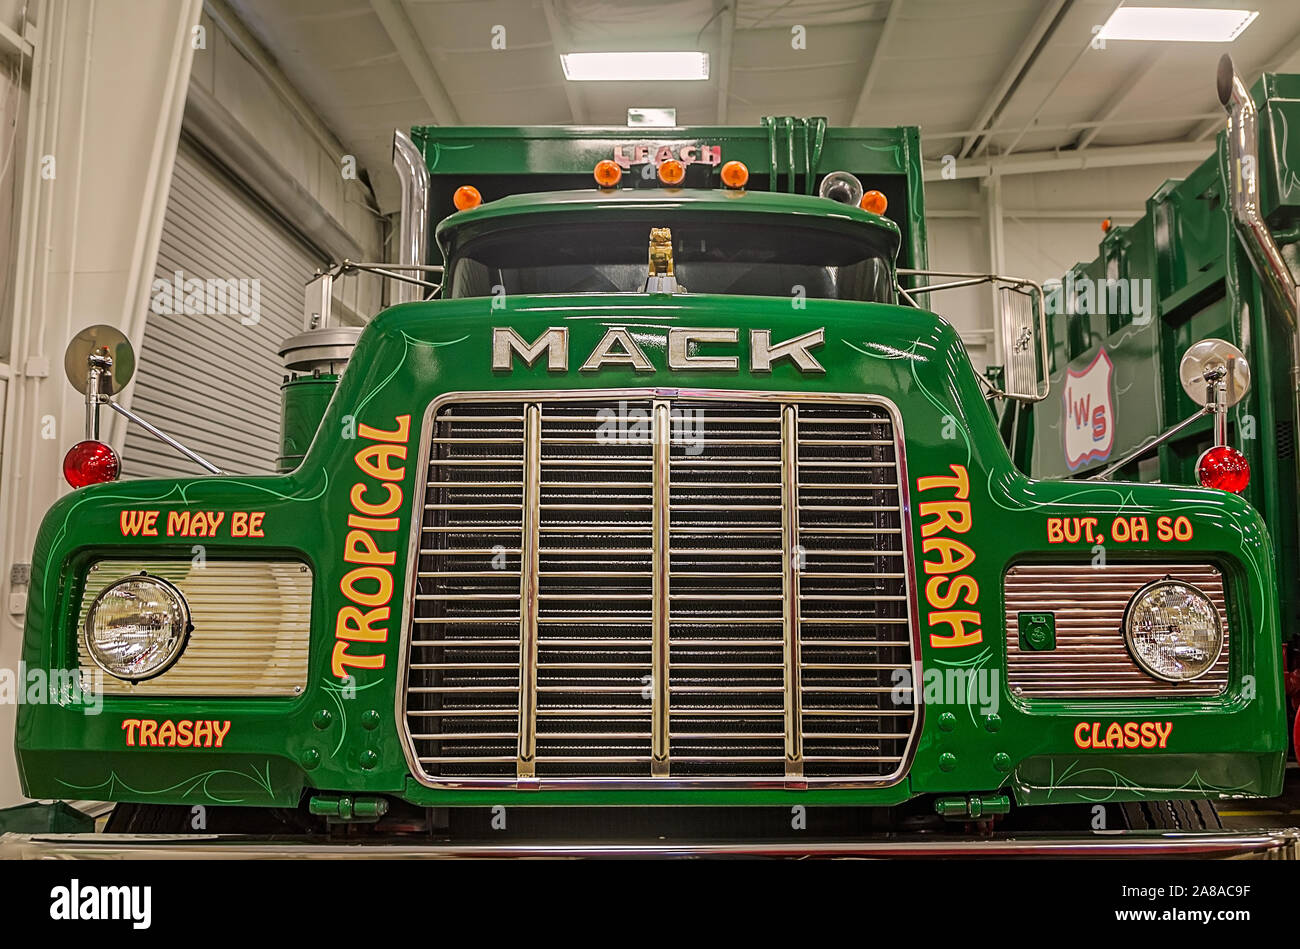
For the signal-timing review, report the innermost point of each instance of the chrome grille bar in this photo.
(529, 599)
(791, 557)
(659, 650)
(713, 590)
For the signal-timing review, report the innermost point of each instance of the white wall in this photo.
(240, 75)
(109, 84)
(1060, 226)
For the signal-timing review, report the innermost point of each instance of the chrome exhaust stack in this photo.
(1243, 183)
(413, 229)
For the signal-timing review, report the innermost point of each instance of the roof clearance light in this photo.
(672, 172)
(466, 197)
(607, 173)
(735, 174)
(874, 201)
(1225, 468)
(635, 67)
(1177, 24)
(90, 462)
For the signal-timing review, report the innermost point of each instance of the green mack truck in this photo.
(670, 490)
(1216, 255)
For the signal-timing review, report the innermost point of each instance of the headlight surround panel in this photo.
(137, 627)
(251, 626)
(1091, 659)
(1172, 630)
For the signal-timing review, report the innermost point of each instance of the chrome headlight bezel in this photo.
(178, 607)
(1136, 654)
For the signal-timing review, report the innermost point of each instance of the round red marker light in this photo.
(466, 197)
(1225, 468)
(90, 462)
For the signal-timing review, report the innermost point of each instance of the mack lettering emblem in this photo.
(619, 347)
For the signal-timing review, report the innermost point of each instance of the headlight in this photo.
(1173, 631)
(137, 627)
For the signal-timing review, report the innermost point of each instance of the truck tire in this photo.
(1171, 815)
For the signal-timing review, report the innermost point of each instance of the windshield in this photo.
(751, 258)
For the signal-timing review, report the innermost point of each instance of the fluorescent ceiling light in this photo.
(638, 67)
(1177, 24)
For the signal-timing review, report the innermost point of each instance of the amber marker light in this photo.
(672, 172)
(466, 197)
(874, 201)
(735, 174)
(607, 173)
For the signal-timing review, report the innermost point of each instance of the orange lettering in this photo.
(356, 625)
(342, 660)
(957, 619)
(949, 599)
(382, 594)
(401, 434)
(953, 555)
(953, 515)
(383, 507)
(373, 523)
(359, 547)
(376, 461)
(959, 481)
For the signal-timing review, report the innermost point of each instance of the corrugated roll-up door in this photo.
(209, 375)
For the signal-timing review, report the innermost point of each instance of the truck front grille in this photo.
(638, 589)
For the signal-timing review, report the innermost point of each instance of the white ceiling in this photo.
(1024, 68)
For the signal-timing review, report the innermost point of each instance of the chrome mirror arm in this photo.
(163, 436)
(1042, 384)
(1155, 442)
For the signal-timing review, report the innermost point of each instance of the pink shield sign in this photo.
(1089, 413)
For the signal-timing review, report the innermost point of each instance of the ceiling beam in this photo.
(561, 43)
(1117, 101)
(392, 15)
(1019, 66)
(874, 69)
(939, 135)
(1284, 52)
(726, 40)
(1031, 163)
(1060, 81)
